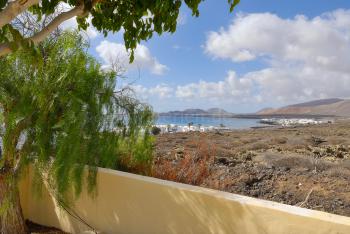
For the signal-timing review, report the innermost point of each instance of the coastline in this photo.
(189, 123)
(252, 116)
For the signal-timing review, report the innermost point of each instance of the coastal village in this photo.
(191, 127)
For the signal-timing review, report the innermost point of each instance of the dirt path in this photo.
(304, 166)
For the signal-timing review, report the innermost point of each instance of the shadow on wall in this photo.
(128, 203)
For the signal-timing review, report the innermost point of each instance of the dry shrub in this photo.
(193, 167)
(223, 184)
(346, 164)
(338, 172)
(333, 140)
(249, 140)
(127, 163)
(295, 143)
(258, 146)
(236, 144)
(222, 152)
(294, 162)
(278, 140)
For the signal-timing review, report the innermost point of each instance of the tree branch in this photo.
(40, 36)
(5, 48)
(301, 204)
(13, 9)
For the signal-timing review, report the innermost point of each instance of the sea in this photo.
(232, 123)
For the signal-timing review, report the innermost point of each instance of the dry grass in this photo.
(337, 172)
(258, 146)
(278, 140)
(128, 164)
(190, 167)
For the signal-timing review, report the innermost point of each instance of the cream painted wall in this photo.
(128, 203)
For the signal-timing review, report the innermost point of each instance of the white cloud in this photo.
(270, 85)
(161, 91)
(306, 58)
(112, 52)
(299, 83)
(230, 89)
(323, 40)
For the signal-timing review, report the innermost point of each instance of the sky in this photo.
(266, 53)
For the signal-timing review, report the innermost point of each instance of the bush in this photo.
(155, 130)
(192, 167)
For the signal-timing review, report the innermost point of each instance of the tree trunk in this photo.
(11, 216)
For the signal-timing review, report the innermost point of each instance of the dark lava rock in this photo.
(222, 160)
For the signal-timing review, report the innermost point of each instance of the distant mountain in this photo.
(317, 102)
(267, 109)
(217, 111)
(198, 112)
(323, 107)
(333, 106)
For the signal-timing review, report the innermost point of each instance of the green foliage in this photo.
(139, 19)
(68, 115)
(233, 4)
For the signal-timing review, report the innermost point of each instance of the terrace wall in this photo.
(128, 203)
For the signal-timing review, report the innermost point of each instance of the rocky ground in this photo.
(305, 166)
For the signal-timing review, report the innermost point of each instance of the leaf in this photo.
(58, 125)
(233, 3)
(2, 3)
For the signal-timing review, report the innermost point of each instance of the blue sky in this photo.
(265, 54)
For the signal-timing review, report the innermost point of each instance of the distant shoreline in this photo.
(250, 116)
(207, 123)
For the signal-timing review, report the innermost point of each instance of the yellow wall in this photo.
(128, 203)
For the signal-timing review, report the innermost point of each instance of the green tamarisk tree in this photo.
(63, 115)
(139, 18)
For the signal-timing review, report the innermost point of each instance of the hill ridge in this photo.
(331, 106)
